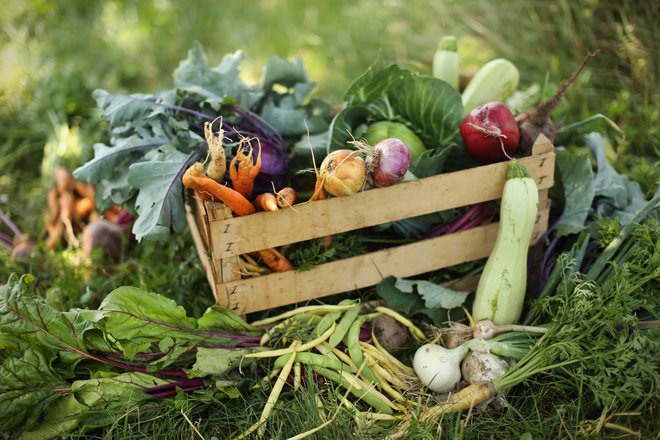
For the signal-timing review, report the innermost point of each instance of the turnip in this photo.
(490, 132)
(481, 366)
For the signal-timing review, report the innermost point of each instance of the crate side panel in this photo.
(238, 235)
(275, 290)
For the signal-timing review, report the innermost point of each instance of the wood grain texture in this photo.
(279, 289)
(220, 238)
(239, 235)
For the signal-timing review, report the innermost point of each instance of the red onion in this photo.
(387, 162)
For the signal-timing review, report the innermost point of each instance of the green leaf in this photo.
(408, 303)
(214, 84)
(218, 361)
(434, 295)
(28, 384)
(374, 82)
(110, 158)
(217, 317)
(24, 315)
(431, 106)
(159, 202)
(431, 162)
(616, 195)
(290, 119)
(60, 418)
(287, 73)
(140, 318)
(577, 178)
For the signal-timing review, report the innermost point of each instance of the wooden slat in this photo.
(239, 235)
(279, 289)
(211, 275)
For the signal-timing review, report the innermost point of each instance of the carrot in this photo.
(463, 400)
(275, 260)
(218, 166)
(195, 179)
(266, 202)
(111, 213)
(242, 175)
(83, 207)
(286, 197)
(84, 189)
(55, 231)
(53, 206)
(63, 180)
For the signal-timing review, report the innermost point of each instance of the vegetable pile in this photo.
(577, 312)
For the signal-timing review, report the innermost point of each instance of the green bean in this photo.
(309, 358)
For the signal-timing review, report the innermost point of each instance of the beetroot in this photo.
(490, 132)
(537, 121)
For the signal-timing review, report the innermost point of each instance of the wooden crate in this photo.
(221, 238)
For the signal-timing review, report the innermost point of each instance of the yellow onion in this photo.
(343, 172)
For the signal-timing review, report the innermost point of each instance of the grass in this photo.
(55, 53)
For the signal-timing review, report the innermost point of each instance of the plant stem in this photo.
(10, 224)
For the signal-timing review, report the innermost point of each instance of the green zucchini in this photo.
(445, 61)
(501, 290)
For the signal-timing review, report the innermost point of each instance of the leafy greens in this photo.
(154, 137)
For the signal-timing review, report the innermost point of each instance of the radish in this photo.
(490, 132)
(537, 120)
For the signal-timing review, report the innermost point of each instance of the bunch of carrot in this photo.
(243, 170)
(71, 207)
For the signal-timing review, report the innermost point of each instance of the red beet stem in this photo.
(539, 114)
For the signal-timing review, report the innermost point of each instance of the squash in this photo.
(495, 81)
(445, 61)
(501, 290)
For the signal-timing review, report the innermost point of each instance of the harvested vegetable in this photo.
(343, 173)
(21, 246)
(286, 197)
(439, 368)
(490, 133)
(195, 179)
(243, 172)
(445, 61)
(266, 202)
(218, 166)
(382, 130)
(387, 162)
(104, 236)
(495, 81)
(479, 366)
(501, 291)
(537, 121)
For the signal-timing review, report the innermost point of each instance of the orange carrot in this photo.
(286, 197)
(275, 260)
(84, 189)
(63, 180)
(194, 178)
(242, 175)
(318, 189)
(266, 202)
(83, 207)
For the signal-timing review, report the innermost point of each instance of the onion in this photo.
(387, 162)
(343, 172)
